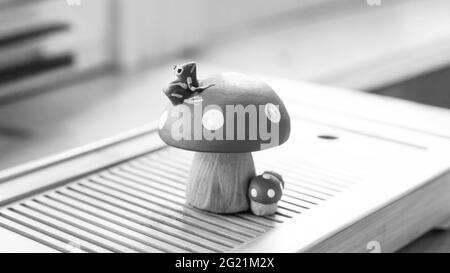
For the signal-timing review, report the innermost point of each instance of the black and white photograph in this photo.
(250, 128)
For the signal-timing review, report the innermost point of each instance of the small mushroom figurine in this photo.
(265, 191)
(232, 116)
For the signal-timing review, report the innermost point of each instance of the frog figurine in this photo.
(186, 85)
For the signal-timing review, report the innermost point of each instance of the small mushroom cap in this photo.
(275, 176)
(243, 114)
(265, 189)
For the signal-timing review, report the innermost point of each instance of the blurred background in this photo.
(75, 71)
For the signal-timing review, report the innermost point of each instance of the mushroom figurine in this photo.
(264, 192)
(233, 116)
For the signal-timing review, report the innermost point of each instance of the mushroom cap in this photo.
(265, 189)
(242, 112)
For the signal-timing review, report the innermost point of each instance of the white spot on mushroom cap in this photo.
(162, 120)
(266, 176)
(270, 193)
(213, 119)
(272, 112)
(254, 192)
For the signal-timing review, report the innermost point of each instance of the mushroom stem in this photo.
(219, 182)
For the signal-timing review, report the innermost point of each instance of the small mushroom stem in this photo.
(219, 182)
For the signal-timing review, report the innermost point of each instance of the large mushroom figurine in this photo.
(235, 115)
(265, 191)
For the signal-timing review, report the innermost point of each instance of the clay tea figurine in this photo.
(264, 192)
(236, 115)
(186, 84)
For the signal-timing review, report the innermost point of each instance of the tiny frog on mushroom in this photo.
(186, 84)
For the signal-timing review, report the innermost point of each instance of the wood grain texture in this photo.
(218, 182)
(435, 241)
(396, 224)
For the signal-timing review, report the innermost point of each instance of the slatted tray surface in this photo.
(139, 206)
